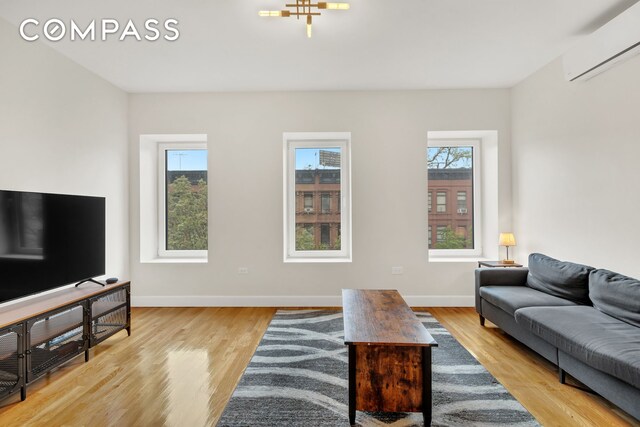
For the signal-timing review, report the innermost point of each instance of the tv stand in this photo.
(89, 280)
(42, 333)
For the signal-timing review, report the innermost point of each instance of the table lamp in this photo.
(507, 239)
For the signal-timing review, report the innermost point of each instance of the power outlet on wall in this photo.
(243, 270)
(397, 270)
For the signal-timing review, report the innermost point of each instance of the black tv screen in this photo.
(48, 241)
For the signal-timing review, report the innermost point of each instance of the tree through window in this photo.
(186, 200)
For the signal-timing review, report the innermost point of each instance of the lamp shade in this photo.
(507, 239)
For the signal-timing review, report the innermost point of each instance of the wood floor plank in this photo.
(181, 365)
(178, 368)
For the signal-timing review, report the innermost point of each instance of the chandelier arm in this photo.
(304, 8)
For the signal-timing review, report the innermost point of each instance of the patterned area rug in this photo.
(298, 377)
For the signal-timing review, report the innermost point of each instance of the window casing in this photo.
(331, 166)
(152, 195)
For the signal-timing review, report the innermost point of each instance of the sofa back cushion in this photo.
(560, 278)
(616, 295)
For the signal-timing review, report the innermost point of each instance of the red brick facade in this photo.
(318, 204)
(454, 187)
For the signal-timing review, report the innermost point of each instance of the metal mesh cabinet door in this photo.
(54, 338)
(110, 313)
(11, 359)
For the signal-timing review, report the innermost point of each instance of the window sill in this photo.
(316, 260)
(457, 259)
(176, 261)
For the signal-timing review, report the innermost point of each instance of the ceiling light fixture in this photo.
(303, 8)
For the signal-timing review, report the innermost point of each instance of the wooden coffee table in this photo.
(389, 354)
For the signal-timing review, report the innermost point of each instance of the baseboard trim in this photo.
(288, 301)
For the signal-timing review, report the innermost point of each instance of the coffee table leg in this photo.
(352, 384)
(426, 385)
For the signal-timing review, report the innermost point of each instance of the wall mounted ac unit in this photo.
(617, 40)
(308, 210)
(462, 210)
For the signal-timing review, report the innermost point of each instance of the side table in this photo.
(494, 264)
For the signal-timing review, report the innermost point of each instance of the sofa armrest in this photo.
(511, 276)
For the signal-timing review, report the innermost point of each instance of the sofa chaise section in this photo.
(590, 336)
(600, 350)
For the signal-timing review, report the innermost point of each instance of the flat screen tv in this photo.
(48, 241)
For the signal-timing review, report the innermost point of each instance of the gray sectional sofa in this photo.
(584, 320)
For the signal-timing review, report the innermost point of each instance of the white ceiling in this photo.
(378, 44)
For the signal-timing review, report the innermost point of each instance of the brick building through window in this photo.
(320, 190)
(452, 189)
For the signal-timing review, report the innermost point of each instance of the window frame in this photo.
(441, 193)
(475, 143)
(307, 196)
(325, 196)
(148, 196)
(163, 147)
(292, 141)
(458, 200)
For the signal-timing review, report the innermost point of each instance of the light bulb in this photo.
(309, 26)
(334, 6)
(269, 13)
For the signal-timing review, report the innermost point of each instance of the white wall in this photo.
(64, 130)
(389, 139)
(576, 167)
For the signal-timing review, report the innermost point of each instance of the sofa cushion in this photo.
(511, 298)
(560, 278)
(616, 295)
(596, 339)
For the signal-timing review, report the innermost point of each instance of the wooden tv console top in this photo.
(33, 307)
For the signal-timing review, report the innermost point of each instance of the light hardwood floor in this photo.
(181, 365)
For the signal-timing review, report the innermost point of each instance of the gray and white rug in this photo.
(298, 377)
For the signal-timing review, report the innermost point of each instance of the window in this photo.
(308, 202)
(453, 168)
(325, 205)
(325, 157)
(429, 201)
(441, 201)
(325, 235)
(173, 198)
(183, 210)
(462, 202)
(429, 237)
